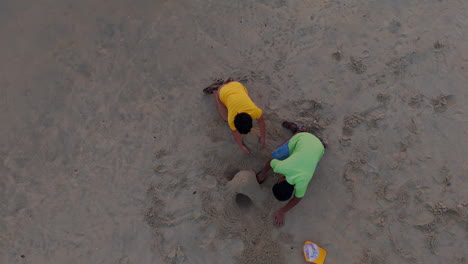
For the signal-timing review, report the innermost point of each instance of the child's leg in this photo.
(221, 108)
(281, 153)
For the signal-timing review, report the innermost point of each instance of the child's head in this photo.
(243, 123)
(283, 190)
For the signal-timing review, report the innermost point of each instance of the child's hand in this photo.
(279, 218)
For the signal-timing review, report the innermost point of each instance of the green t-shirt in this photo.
(305, 151)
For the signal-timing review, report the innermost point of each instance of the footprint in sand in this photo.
(349, 123)
(357, 66)
(442, 102)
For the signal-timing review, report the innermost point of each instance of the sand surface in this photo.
(110, 153)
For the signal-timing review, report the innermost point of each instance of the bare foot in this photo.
(210, 89)
(294, 127)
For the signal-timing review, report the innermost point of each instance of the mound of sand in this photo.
(245, 190)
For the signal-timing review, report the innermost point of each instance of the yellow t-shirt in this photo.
(236, 98)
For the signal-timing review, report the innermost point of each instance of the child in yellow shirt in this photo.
(236, 107)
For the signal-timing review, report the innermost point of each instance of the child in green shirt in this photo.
(296, 159)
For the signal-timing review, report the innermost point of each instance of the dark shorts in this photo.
(282, 152)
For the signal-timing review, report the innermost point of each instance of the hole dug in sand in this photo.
(243, 201)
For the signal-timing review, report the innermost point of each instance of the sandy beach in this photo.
(111, 153)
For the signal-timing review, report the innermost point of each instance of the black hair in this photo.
(243, 123)
(283, 191)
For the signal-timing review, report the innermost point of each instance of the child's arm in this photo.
(279, 216)
(238, 139)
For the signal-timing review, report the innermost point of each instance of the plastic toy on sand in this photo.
(314, 253)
